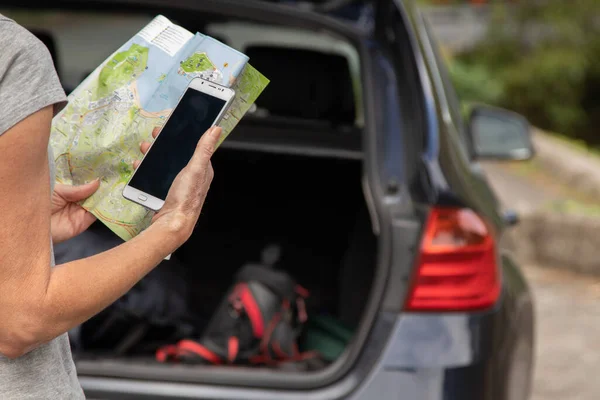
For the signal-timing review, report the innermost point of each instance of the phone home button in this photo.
(142, 197)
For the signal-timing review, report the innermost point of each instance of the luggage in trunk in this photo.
(311, 208)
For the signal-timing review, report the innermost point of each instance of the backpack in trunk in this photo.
(258, 322)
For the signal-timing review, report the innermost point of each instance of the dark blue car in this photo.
(356, 162)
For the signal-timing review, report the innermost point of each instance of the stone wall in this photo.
(558, 240)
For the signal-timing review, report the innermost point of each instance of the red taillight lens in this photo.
(457, 266)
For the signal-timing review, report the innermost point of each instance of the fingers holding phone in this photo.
(145, 146)
(175, 173)
(202, 105)
(186, 195)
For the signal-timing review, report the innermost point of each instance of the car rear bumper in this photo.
(433, 356)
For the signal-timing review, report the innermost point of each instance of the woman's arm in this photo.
(38, 303)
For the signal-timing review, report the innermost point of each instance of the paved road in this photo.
(568, 335)
(517, 191)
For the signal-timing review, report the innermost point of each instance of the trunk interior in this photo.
(288, 178)
(312, 208)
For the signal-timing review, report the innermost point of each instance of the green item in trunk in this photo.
(326, 335)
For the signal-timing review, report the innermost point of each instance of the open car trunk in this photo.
(290, 178)
(311, 208)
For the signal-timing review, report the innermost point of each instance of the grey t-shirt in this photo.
(28, 83)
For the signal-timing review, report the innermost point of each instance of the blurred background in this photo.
(541, 58)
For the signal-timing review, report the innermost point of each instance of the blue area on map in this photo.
(159, 63)
(156, 95)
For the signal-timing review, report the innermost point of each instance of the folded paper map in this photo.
(98, 134)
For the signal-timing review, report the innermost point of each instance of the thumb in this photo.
(206, 147)
(76, 193)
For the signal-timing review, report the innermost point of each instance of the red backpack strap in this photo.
(166, 353)
(189, 349)
(252, 309)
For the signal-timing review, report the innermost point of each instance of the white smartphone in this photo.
(203, 105)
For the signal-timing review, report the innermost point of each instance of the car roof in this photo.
(277, 11)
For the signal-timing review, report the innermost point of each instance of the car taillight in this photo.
(457, 264)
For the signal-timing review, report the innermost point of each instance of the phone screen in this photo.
(175, 145)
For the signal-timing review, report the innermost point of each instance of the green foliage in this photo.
(475, 83)
(548, 88)
(542, 59)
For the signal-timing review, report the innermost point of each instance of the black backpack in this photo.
(258, 322)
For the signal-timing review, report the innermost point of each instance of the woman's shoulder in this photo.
(17, 41)
(29, 79)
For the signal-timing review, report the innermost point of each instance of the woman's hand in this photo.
(69, 219)
(186, 196)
